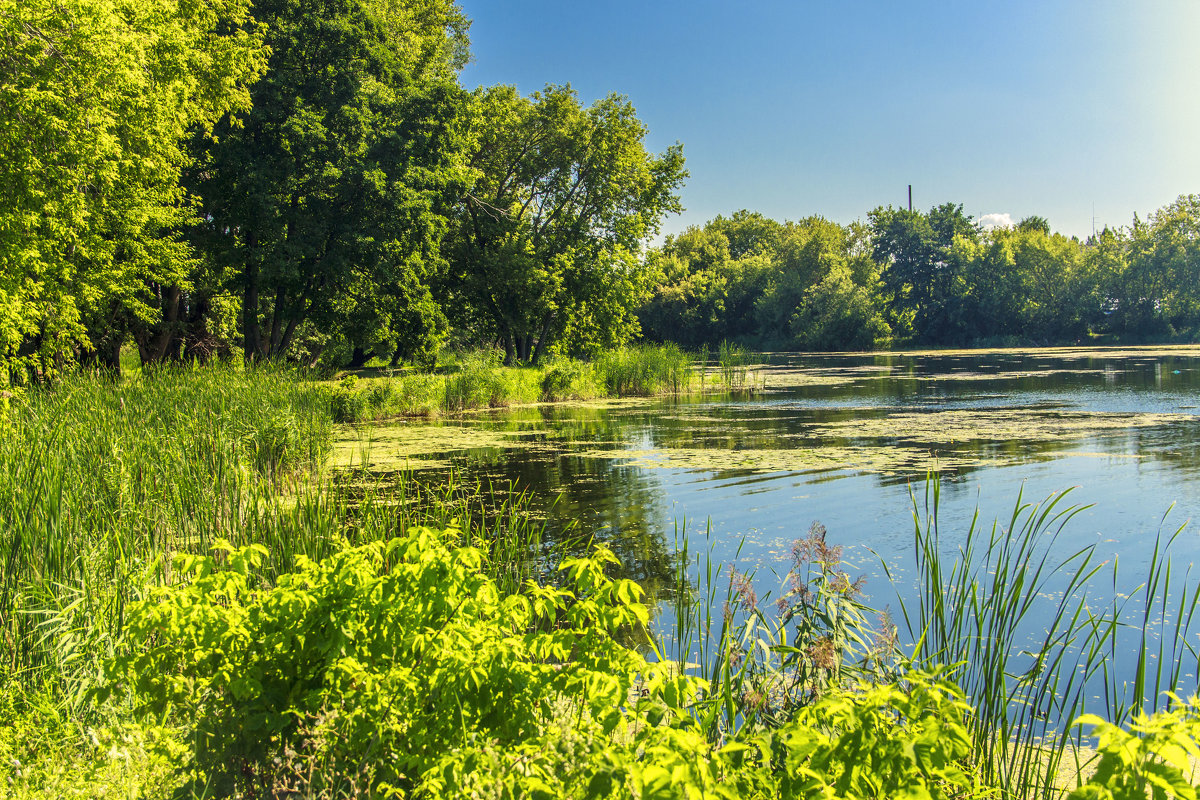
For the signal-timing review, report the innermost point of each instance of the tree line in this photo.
(308, 180)
(303, 179)
(935, 277)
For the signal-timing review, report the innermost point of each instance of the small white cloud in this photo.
(991, 221)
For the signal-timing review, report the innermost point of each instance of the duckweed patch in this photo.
(994, 425)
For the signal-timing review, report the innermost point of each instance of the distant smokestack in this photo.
(910, 198)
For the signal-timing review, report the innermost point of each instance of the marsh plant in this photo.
(477, 380)
(733, 366)
(644, 370)
(100, 482)
(1035, 650)
(763, 661)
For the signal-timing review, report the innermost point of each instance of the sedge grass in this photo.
(644, 370)
(102, 483)
(1035, 650)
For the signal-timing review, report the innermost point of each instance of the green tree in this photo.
(923, 283)
(1161, 285)
(838, 314)
(326, 199)
(96, 98)
(548, 241)
(805, 254)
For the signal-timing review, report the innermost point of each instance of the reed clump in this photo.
(101, 481)
(644, 370)
(477, 380)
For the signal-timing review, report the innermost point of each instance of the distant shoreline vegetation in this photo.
(478, 380)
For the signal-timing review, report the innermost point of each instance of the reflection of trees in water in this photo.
(591, 500)
(1176, 445)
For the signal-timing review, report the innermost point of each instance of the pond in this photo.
(844, 439)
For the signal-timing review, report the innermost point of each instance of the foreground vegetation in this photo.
(203, 612)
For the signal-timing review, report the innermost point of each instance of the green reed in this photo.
(498, 519)
(734, 363)
(764, 660)
(1015, 612)
(101, 481)
(644, 370)
(982, 595)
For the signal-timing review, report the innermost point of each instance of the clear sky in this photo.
(834, 107)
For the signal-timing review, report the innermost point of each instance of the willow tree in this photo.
(548, 242)
(97, 98)
(325, 199)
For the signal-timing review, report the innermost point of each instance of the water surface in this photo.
(844, 439)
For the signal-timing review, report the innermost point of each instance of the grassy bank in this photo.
(478, 380)
(192, 607)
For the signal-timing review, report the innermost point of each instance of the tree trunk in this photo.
(509, 349)
(276, 323)
(198, 345)
(524, 345)
(164, 338)
(286, 340)
(543, 338)
(251, 334)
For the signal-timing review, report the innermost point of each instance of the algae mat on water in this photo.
(901, 442)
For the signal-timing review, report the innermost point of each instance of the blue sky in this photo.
(833, 108)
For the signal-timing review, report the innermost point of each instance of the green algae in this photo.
(993, 425)
(885, 461)
(650, 433)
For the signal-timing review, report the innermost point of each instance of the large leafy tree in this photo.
(325, 201)
(548, 241)
(923, 281)
(96, 100)
(1161, 286)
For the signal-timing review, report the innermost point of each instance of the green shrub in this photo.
(407, 642)
(567, 379)
(401, 666)
(1155, 758)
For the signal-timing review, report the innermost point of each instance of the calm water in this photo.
(844, 439)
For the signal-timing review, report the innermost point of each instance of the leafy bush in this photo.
(402, 665)
(1155, 758)
(567, 379)
(408, 642)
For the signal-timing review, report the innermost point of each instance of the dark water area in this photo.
(847, 440)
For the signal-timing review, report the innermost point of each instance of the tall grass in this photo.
(764, 660)
(498, 519)
(644, 370)
(1035, 647)
(100, 482)
(474, 381)
(480, 382)
(734, 366)
(1015, 613)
